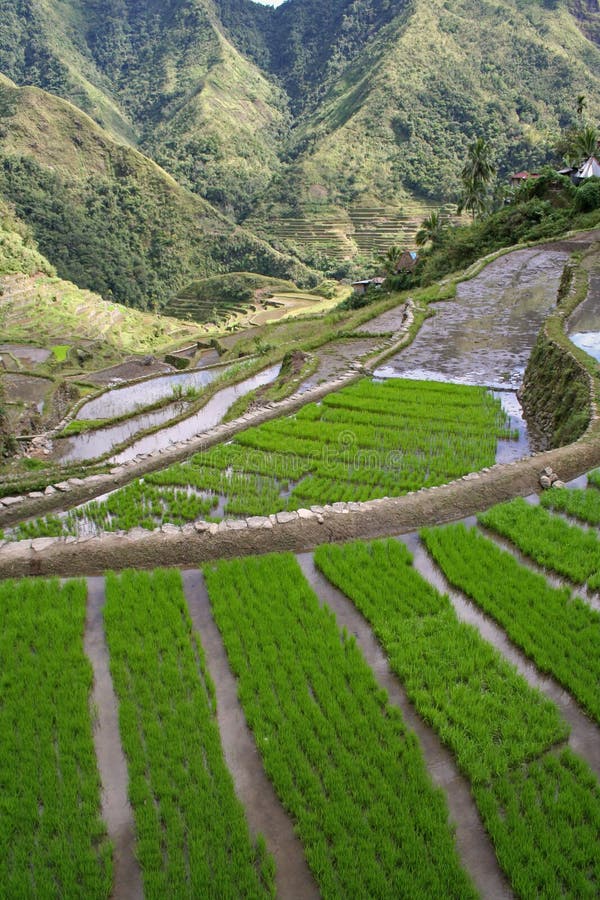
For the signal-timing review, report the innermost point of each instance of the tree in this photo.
(474, 198)
(389, 261)
(431, 230)
(586, 142)
(477, 173)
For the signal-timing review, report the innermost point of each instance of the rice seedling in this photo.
(366, 441)
(52, 840)
(486, 713)
(192, 835)
(581, 504)
(548, 540)
(540, 805)
(559, 632)
(340, 758)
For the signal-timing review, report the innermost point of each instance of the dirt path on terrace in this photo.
(116, 809)
(585, 734)
(264, 811)
(473, 844)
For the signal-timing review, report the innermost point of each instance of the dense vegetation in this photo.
(542, 208)
(108, 218)
(541, 807)
(52, 840)
(366, 441)
(339, 756)
(192, 835)
(559, 632)
(210, 90)
(581, 504)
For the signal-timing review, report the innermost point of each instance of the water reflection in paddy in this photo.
(121, 401)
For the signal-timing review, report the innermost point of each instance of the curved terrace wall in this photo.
(558, 393)
(299, 530)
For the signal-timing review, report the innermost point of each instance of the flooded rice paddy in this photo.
(209, 416)
(485, 335)
(584, 324)
(121, 401)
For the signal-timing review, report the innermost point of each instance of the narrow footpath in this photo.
(116, 809)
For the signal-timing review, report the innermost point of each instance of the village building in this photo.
(520, 178)
(589, 169)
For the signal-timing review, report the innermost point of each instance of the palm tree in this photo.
(586, 142)
(389, 261)
(474, 198)
(479, 167)
(431, 230)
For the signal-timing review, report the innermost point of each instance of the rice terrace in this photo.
(340, 640)
(299, 450)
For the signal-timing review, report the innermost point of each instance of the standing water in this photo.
(209, 416)
(485, 336)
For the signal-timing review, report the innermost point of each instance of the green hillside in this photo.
(107, 217)
(329, 129)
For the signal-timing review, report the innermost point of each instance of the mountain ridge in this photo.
(307, 113)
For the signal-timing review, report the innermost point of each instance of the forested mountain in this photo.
(108, 217)
(311, 110)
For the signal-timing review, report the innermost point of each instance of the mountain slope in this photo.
(109, 218)
(399, 119)
(161, 76)
(342, 114)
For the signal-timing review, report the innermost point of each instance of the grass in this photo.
(340, 758)
(548, 540)
(559, 632)
(192, 835)
(540, 805)
(52, 838)
(60, 352)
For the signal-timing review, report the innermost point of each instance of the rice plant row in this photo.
(52, 840)
(192, 835)
(548, 540)
(540, 805)
(340, 758)
(369, 440)
(559, 632)
(581, 504)
(483, 710)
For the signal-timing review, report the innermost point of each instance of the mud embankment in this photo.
(296, 531)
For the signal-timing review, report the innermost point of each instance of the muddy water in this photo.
(92, 444)
(264, 811)
(124, 400)
(486, 334)
(585, 735)
(337, 358)
(509, 450)
(28, 355)
(474, 846)
(584, 324)
(116, 809)
(209, 416)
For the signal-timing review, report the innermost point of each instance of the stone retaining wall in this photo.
(294, 531)
(74, 491)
